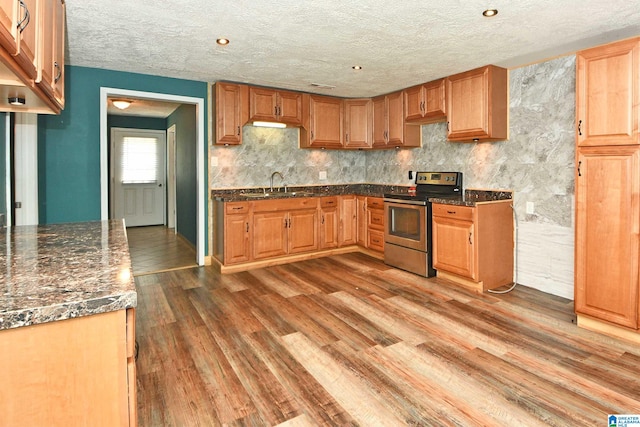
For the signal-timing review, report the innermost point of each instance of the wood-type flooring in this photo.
(158, 248)
(348, 341)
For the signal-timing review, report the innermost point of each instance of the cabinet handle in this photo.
(579, 127)
(247, 227)
(59, 74)
(26, 17)
(237, 208)
(347, 137)
(579, 164)
(238, 130)
(447, 126)
(322, 220)
(470, 242)
(422, 107)
(451, 212)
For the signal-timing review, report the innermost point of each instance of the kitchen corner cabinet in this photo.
(273, 105)
(357, 123)
(425, 103)
(231, 103)
(285, 226)
(607, 223)
(329, 222)
(348, 230)
(477, 105)
(72, 372)
(324, 128)
(608, 94)
(473, 245)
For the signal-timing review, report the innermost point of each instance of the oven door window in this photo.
(405, 222)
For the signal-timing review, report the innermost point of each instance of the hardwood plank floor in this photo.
(158, 248)
(349, 341)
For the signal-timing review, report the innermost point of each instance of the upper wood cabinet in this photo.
(231, 101)
(51, 56)
(477, 105)
(324, 128)
(425, 103)
(275, 105)
(357, 123)
(32, 57)
(607, 98)
(388, 121)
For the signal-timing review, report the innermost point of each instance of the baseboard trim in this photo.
(606, 328)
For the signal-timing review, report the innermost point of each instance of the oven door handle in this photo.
(406, 202)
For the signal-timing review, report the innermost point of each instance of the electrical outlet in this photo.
(214, 161)
(530, 208)
(322, 175)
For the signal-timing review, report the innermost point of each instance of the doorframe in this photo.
(105, 93)
(171, 172)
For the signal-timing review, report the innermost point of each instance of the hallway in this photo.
(157, 248)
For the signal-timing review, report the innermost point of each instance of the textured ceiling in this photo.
(294, 43)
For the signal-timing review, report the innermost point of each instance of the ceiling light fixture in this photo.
(357, 67)
(222, 41)
(270, 125)
(16, 100)
(490, 12)
(121, 104)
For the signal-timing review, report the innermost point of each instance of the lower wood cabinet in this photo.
(75, 372)
(329, 222)
(473, 245)
(348, 229)
(375, 224)
(361, 215)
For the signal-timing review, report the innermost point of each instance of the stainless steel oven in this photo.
(407, 232)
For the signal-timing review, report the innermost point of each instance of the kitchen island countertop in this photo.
(63, 271)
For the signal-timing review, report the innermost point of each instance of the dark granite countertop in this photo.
(473, 197)
(57, 272)
(244, 194)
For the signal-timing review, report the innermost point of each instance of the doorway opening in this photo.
(199, 217)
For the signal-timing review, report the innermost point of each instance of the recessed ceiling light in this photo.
(490, 12)
(322, 86)
(16, 100)
(357, 67)
(222, 41)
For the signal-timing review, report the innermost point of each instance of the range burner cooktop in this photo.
(433, 184)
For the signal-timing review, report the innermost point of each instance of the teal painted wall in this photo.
(3, 169)
(69, 144)
(186, 170)
(135, 122)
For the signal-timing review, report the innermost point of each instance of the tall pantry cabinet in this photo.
(607, 249)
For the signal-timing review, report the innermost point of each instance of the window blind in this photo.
(139, 160)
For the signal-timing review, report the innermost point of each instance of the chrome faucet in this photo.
(271, 181)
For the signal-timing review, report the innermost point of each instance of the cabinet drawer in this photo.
(328, 202)
(376, 220)
(375, 203)
(453, 211)
(279, 205)
(236, 207)
(376, 240)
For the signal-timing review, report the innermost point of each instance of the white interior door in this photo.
(26, 169)
(138, 162)
(171, 177)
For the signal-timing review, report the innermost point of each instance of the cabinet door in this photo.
(325, 116)
(270, 230)
(362, 219)
(58, 63)
(231, 112)
(8, 15)
(379, 121)
(435, 102)
(357, 123)
(608, 83)
(303, 230)
(607, 224)
(348, 233)
(27, 36)
(453, 246)
(290, 107)
(414, 106)
(329, 222)
(395, 119)
(263, 104)
(236, 239)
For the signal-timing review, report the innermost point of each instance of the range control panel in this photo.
(439, 178)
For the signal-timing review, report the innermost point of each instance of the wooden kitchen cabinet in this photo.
(425, 103)
(477, 105)
(51, 70)
(608, 94)
(9, 25)
(473, 245)
(375, 224)
(275, 106)
(388, 120)
(357, 123)
(27, 23)
(362, 219)
(231, 101)
(348, 230)
(237, 232)
(329, 222)
(284, 226)
(607, 223)
(72, 372)
(324, 128)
